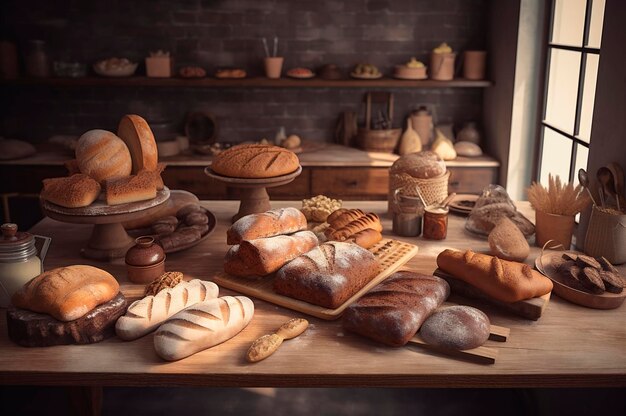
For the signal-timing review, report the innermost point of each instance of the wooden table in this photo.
(569, 346)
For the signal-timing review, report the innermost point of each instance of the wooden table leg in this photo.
(86, 400)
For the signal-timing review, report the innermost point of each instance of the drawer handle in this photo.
(352, 184)
(455, 183)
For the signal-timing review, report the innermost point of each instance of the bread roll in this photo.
(144, 315)
(71, 192)
(136, 133)
(507, 242)
(140, 187)
(370, 220)
(457, 328)
(67, 293)
(506, 281)
(365, 238)
(102, 155)
(393, 311)
(266, 224)
(346, 217)
(263, 256)
(202, 326)
(328, 275)
(255, 161)
(421, 165)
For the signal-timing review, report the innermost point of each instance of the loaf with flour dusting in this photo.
(328, 275)
(266, 224)
(394, 311)
(263, 256)
(202, 326)
(144, 315)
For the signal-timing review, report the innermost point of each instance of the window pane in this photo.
(589, 94)
(555, 156)
(597, 20)
(569, 21)
(582, 154)
(562, 89)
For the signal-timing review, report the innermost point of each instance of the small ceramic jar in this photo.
(435, 222)
(145, 261)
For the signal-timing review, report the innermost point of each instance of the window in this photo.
(571, 72)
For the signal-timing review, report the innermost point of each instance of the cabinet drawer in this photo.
(194, 180)
(297, 189)
(351, 183)
(471, 180)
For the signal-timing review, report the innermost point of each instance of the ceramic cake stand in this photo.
(254, 197)
(109, 239)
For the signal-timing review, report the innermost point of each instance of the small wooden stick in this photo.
(481, 355)
(499, 333)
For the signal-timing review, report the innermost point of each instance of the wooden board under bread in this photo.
(529, 308)
(390, 253)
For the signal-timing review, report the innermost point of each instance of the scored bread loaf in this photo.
(328, 275)
(102, 155)
(133, 188)
(393, 311)
(266, 224)
(71, 192)
(345, 218)
(370, 220)
(144, 315)
(263, 256)
(202, 326)
(67, 293)
(506, 281)
(136, 133)
(365, 238)
(255, 161)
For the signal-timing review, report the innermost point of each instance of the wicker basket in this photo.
(378, 140)
(433, 190)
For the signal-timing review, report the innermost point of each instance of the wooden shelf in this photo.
(258, 82)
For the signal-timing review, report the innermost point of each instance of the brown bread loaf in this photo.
(335, 214)
(503, 280)
(67, 293)
(74, 191)
(328, 275)
(202, 326)
(345, 218)
(266, 224)
(421, 165)
(365, 238)
(456, 327)
(263, 256)
(136, 133)
(370, 220)
(255, 161)
(133, 188)
(102, 155)
(393, 311)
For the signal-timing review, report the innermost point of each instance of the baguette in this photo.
(345, 218)
(144, 315)
(506, 281)
(202, 326)
(370, 220)
(365, 238)
(266, 224)
(263, 256)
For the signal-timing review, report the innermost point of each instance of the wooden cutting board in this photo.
(390, 253)
(529, 308)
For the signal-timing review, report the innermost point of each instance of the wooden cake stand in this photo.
(109, 239)
(254, 197)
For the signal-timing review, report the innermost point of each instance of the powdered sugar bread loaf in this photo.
(71, 192)
(266, 224)
(255, 161)
(263, 256)
(328, 275)
(144, 315)
(506, 281)
(136, 133)
(202, 326)
(102, 155)
(456, 327)
(394, 311)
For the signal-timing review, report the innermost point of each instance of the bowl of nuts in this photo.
(318, 208)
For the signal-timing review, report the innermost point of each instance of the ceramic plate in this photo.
(463, 203)
(301, 76)
(357, 76)
(546, 264)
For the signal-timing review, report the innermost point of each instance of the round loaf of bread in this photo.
(420, 165)
(456, 327)
(255, 161)
(102, 155)
(136, 133)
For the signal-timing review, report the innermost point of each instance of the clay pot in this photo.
(474, 63)
(558, 228)
(145, 261)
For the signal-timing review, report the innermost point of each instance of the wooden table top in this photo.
(568, 346)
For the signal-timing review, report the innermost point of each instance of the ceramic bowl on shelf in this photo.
(406, 72)
(115, 67)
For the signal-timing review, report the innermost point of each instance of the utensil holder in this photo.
(273, 67)
(474, 63)
(558, 228)
(442, 66)
(606, 236)
(378, 140)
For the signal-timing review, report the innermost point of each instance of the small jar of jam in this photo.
(435, 222)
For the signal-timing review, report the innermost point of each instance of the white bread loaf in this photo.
(136, 133)
(102, 155)
(202, 326)
(144, 315)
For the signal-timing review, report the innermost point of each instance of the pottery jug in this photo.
(422, 123)
(469, 133)
(410, 140)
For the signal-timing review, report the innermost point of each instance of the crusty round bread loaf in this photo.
(102, 155)
(255, 161)
(421, 165)
(71, 192)
(136, 133)
(456, 327)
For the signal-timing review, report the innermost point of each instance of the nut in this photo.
(319, 207)
(166, 280)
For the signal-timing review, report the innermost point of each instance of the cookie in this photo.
(613, 282)
(587, 261)
(590, 278)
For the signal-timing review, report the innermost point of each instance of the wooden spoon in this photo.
(583, 178)
(604, 175)
(618, 182)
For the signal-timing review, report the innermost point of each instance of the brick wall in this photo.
(227, 33)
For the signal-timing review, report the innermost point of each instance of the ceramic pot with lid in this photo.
(145, 261)
(19, 260)
(422, 122)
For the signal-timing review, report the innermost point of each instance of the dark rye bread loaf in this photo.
(255, 161)
(266, 224)
(456, 327)
(32, 329)
(394, 311)
(328, 275)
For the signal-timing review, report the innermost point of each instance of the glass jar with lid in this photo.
(19, 261)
